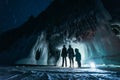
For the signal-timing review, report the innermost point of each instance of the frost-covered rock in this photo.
(82, 23)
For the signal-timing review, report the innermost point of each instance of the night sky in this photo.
(15, 12)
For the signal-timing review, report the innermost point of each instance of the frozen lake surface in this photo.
(58, 73)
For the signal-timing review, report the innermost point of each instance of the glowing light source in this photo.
(92, 65)
(82, 49)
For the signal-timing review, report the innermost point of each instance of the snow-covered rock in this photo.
(82, 23)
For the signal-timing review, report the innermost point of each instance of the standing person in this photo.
(64, 55)
(71, 56)
(78, 57)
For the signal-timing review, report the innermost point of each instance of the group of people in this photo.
(70, 54)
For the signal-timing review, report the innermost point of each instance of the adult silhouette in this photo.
(71, 56)
(78, 57)
(64, 55)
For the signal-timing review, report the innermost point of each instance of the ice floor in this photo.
(58, 73)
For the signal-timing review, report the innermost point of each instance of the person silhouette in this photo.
(78, 57)
(64, 55)
(71, 56)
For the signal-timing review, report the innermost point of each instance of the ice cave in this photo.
(84, 25)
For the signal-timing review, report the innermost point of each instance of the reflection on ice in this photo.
(92, 65)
